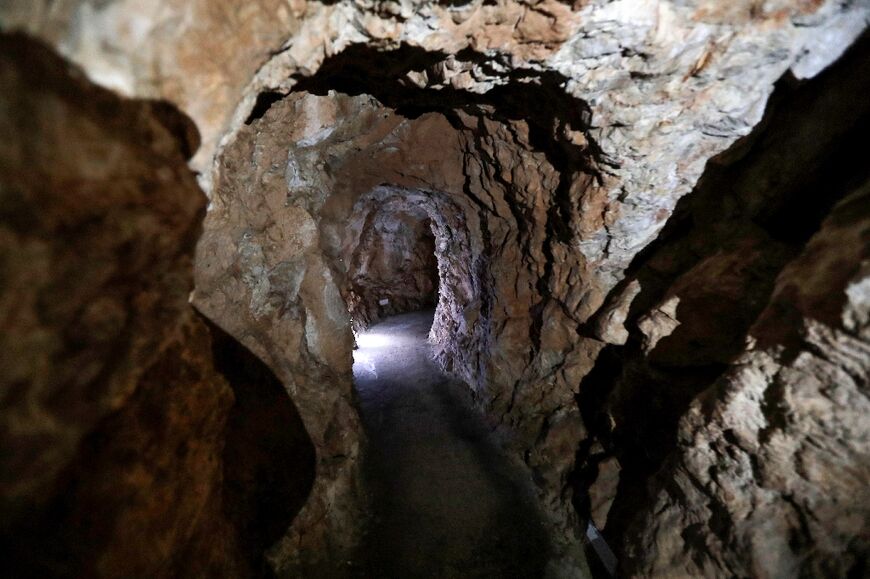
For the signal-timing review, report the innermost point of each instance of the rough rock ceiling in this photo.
(668, 84)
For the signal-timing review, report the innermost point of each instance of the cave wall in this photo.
(392, 266)
(721, 382)
(523, 187)
(258, 271)
(769, 477)
(116, 423)
(456, 252)
(557, 139)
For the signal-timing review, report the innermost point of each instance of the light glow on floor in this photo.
(371, 340)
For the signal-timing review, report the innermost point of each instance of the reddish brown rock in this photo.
(547, 143)
(118, 434)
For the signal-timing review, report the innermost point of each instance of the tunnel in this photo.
(434, 289)
(392, 267)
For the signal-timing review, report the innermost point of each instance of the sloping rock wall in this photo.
(117, 431)
(705, 338)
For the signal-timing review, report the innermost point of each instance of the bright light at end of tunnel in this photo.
(373, 341)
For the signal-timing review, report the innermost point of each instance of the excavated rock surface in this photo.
(548, 143)
(721, 384)
(668, 84)
(774, 457)
(518, 190)
(392, 265)
(294, 195)
(277, 251)
(118, 435)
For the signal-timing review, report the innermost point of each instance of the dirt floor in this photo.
(446, 501)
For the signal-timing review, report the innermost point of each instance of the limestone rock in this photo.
(775, 455)
(678, 413)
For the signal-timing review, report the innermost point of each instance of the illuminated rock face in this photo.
(652, 364)
(391, 261)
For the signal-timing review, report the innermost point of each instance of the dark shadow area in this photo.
(264, 102)
(754, 209)
(447, 503)
(268, 460)
(110, 439)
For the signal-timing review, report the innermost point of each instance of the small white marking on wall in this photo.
(383, 301)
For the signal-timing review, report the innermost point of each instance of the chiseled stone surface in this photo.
(119, 435)
(668, 84)
(391, 261)
(775, 456)
(734, 391)
(275, 266)
(553, 141)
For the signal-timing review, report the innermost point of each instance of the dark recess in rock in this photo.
(268, 459)
(264, 101)
(123, 452)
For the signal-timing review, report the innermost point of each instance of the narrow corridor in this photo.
(447, 502)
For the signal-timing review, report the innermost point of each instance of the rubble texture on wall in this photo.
(119, 434)
(687, 370)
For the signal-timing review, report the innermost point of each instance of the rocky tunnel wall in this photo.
(135, 439)
(651, 91)
(306, 183)
(516, 188)
(721, 384)
(392, 267)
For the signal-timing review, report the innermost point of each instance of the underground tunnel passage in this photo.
(392, 268)
(383, 202)
(431, 465)
(346, 289)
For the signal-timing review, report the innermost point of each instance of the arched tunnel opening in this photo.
(388, 209)
(481, 289)
(392, 268)
(431, 463)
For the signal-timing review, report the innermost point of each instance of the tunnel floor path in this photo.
(447, 503)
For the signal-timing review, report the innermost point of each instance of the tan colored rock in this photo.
(776, 451)
(610, 323)
(602, 492)
(698, 494)
(548, 142)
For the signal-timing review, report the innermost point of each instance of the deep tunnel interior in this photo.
(489, 177)
(411, 348)
(393, 269)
